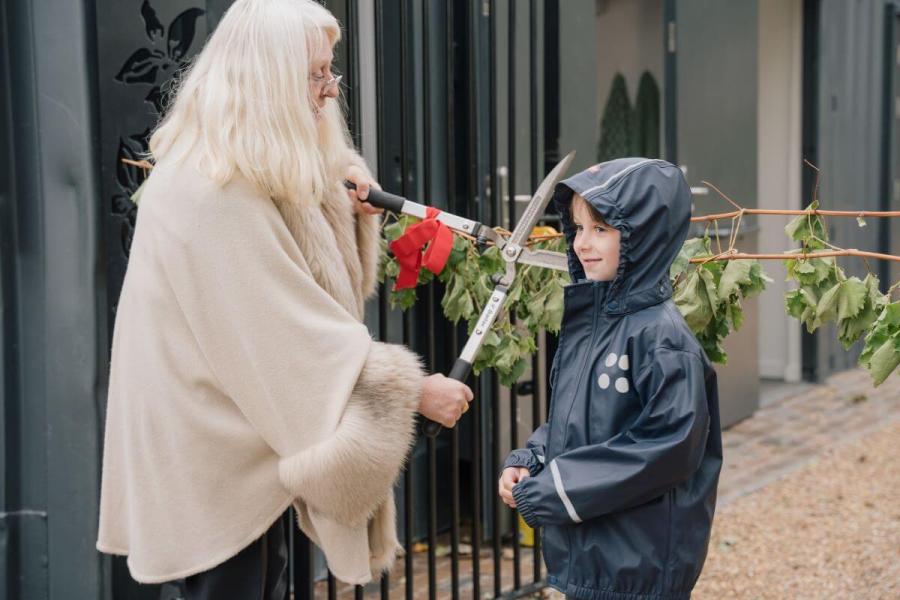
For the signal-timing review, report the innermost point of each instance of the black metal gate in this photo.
(442, 71)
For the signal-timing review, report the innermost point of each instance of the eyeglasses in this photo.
(320, 81)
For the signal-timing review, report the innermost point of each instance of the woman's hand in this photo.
(363, 183)
(508, 480)
(444, 400)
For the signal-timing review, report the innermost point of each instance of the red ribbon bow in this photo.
(408, 249)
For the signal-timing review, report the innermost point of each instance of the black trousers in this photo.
(259, 571)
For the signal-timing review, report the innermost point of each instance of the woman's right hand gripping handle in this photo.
(444, 400)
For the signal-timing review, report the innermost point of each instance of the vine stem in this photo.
(144, 164)
(744, 256)
(777, 211)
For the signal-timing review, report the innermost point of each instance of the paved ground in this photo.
(809, 501)
(828, 530)
(787, 432)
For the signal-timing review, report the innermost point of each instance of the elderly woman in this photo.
(242, 379)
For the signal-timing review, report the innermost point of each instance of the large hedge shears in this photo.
(512, 249)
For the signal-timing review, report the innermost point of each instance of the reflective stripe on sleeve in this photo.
(560, 490)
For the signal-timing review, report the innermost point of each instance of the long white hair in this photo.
(244, 104)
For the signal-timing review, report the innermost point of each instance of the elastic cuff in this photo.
(524, 506)
(518, 458)
(523, 458)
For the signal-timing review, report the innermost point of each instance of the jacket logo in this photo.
(621, 383)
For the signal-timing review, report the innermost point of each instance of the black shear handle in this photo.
(461, 368)
(380, 199)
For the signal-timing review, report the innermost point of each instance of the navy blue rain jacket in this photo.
(624, 473)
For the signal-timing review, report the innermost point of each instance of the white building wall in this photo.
(779, 173)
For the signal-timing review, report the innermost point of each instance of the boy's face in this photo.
(596, 243)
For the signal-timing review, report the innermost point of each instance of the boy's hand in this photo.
(363, 183)
(508, 479)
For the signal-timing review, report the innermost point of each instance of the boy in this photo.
(623, 475)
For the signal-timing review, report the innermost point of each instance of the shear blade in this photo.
(535, 209)
(544, 258)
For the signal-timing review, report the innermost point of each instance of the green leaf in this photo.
(851, 329)
(714, 351)
(392, 269)
(801, 304)
(511, 376)
(881, 353)
(758, 280)
(457, 301)
(514, 295)
(692, 248)
(883, 361)
(795, 303)
(404, 299)
(710, 274)
(395, 229)
(553, 309)
(735, 276)
(805, 227)
(714, 269)
(535, 305)
(491, 261)
(843, 301)
(695, 299)
(735, 315)
(527, 344)
(811, 271)
(383, 260)
(491, 339)
(457, 255)
(508, 352)
(710, 339)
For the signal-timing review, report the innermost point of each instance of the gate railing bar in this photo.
(476, 497)
(511, 188)
(383, 165)
(385, 586)
(408, 508)
(496, 504)
(494, 199)
(454, 344)
(537, 383)
(432, 354)
(303, 559)
(353, 68)
(474, 191)
(408, 515)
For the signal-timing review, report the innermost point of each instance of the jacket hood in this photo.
(649, 202)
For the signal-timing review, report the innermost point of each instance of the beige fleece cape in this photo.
(243, 381)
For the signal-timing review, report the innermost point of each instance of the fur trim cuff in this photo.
(349, 475)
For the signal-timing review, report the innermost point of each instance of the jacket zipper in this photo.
(569, 415)
(578, 388)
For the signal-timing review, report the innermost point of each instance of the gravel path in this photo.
(828, 530)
